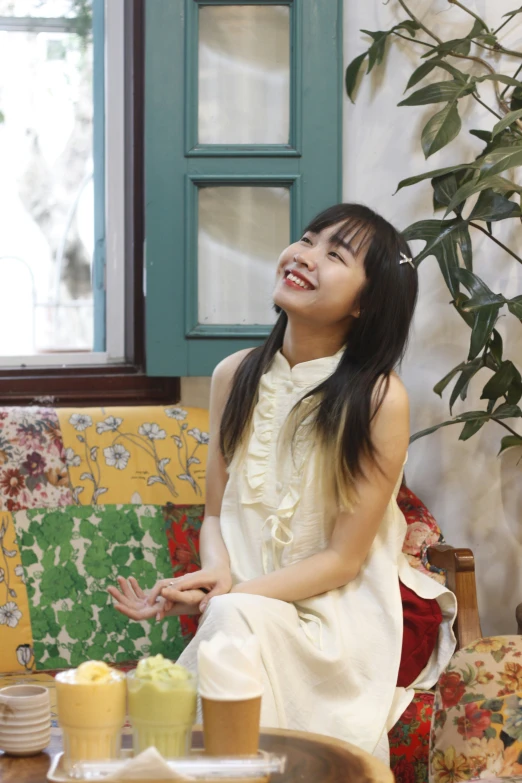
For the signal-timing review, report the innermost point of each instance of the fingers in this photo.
(143, 613)
(115, 593)
(172, 595)
(137, 589)
(215, 591)
(193, 581)
(127, 588)
(156, 590)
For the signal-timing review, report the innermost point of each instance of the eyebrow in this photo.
(336, 242)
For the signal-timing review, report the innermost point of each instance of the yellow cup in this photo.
(91, 716)
(162, 713)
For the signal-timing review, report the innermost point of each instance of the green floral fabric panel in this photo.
(70, 556)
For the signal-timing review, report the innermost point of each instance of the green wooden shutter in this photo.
(176, 166)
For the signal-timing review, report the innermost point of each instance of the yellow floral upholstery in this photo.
(477, 719)
(139, 455)
(16, 640)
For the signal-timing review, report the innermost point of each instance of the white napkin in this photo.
(229, 668)
(149, 765)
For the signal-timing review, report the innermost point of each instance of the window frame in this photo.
(311, 163)
(124, 382)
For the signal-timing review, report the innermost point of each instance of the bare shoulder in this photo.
(223, 376)
(226, 369)
(396, 397)
(393, 416)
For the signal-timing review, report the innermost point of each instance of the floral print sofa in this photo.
(89, 494)
(477, 722)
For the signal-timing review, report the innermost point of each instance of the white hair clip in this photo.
(405, 260)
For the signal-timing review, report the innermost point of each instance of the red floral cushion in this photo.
(182, 525)
(422, 532)
(409, 741)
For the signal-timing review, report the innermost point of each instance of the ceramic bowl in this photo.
(25, 719)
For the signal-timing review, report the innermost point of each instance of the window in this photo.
(241, 152)
(53, 241)
(71, 195)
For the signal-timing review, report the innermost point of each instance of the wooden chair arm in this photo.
(459, 565)
(519, 618)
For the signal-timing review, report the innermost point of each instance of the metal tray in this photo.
(251, 769)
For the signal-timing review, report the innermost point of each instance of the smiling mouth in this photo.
(292, 280)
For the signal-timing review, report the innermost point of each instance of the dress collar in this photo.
(306, 373)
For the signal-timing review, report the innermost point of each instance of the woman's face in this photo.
(320, 280)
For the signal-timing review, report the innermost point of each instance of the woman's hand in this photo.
(133, 602)
(216, 581)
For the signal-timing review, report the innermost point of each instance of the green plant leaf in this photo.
(405, 183)
(495, 182)
(481, 295)
(408, 25)
(498, 385)
(444, 188)
(352, 72)
(493, 206)
(507, 411)
(502, 124)
(425, 68)
(478, 28)
(441, 385)
(509, 442)
(429, 430)
(459, 45)
(437, 93)
(420, 73)
(436, 234)
(515, 306)
(463, 240)
(498, 77)
(516, 99)
(513, 13)
(496, 347)
(482, 135)
(378, 48)
(461, 387)
(440, 129)
(500, 160)
(485, 320)
(471, 428)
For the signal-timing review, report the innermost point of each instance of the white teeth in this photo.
(298, 280)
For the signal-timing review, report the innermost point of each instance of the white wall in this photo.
(475, 496)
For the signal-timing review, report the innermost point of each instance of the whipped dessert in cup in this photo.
(91, 711)
(230, 686)
(162, 706)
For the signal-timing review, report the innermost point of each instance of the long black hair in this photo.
(348, 399)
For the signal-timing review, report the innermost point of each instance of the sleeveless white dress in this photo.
(330, 662)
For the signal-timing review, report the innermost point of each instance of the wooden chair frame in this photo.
(459, 565)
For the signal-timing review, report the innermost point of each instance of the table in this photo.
(312, 758)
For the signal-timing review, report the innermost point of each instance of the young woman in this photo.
(302, 538)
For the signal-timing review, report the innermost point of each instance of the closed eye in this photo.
(336, 255)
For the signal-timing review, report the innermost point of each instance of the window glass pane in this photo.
(46, 187)
(242, 231)
(40, 8)
(244, 74)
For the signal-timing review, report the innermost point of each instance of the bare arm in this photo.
(354, 531)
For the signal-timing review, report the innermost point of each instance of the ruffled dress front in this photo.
(330, 662)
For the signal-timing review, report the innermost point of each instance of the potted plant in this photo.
(473, 195)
